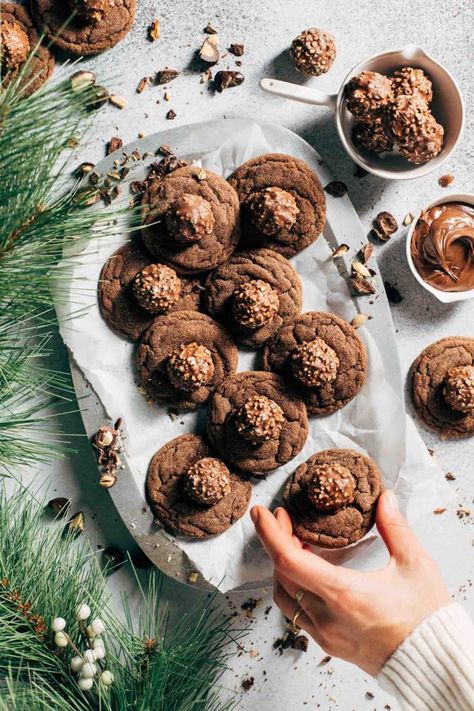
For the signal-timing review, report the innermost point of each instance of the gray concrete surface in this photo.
(292, 681)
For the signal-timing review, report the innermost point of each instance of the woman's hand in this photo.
(360, 617)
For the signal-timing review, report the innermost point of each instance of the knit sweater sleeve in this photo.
(433, 669)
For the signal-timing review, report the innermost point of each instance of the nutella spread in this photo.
(442, 246)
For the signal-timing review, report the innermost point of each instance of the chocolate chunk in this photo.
(336, 188)
(385, 222)
(237, 49)
(227, 79)
(300, 643)
(164, 76)
(247, 683)
(171, 115)
(362, 286)
(114, 144)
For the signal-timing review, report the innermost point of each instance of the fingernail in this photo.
(391, 500)
(254, 514)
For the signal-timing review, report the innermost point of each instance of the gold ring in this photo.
(295, 616)
(299, 596)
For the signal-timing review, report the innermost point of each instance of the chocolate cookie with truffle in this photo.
(256, 422)
(282, 201)
(322, 356)
(443, 386)
(254, 293)
(192, 492)
(133, 290)
(84, 26)
(18, 37)
(331, 498)
(191, 220)
(182, 358)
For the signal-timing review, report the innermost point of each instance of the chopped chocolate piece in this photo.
(386, 222)
(250, 604)
(171, 115)
(154, 30)
(325, 660)
(114, 144)
(369, 695)
(59, 506)
(165, 150)
(336, 188)
(393, 295)
(115, 558)
(362, 286)
(247, 683)
(227, 79)
(100, 97)
(84, 169)
(445, 180)
(378, 234)
(449, 476)
(300, 643)
(137, 187)
(366, 252)
(75, 526)
(164, 76)
(237, 49)
(339, 251)
(209, 29)
(142, 84)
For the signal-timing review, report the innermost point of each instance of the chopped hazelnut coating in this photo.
(332, 487)
(190, 366)
(255, 303)
(313, 51)
(190, 218)
(418, 135)
(157, 288)
(368, 95)
(408, 80)
(372, 136)
(259, 419)
(14, 45)
(459, 388)
(207, 481)
(314, 363)
(272, 210)
(90, 11)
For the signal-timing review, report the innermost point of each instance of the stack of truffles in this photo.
(394, 112)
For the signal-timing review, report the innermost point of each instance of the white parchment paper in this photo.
(374, 423)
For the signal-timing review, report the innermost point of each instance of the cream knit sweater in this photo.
(433, 669)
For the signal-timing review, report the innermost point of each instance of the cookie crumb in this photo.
(154, 30)
(237, 49)
(439, 510)
(325, 660)
(449, 476)
(445, 180)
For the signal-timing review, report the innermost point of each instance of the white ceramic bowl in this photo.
(447, 297)
(447, 107)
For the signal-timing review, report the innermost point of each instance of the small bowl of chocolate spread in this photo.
(440, 248)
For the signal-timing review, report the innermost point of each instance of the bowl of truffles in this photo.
(399, 114)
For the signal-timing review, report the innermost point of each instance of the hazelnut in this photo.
(255, 303)
(272, 210)
(157, 288)
(368, 95)
(207, 481)
(107, 481)
(418, 135)
(332, 487)
(314, 363)
(259, 419)
(372, 136)
(14, 45)
(189, 218)
(106, 437)
(459, 388)
(313, 52)
(190, 366)
(408, 80)
(90, 11)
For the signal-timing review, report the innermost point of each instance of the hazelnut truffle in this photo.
(459, 388)
(314, 363)
(408, 81)
(313, 51)
(90, 11)
(272, 210)
(14, 45)
(157, 288)
(190, 218)
(259, 419)
(418, 135)
(332, 487)
(207, 481)
(190, 366)
(255, 303)
(368, 95)
(372, 136)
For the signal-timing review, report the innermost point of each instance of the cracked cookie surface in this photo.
(213, 248)
(295, 177)
(173, 508)
(116, 300)
(428, 373)
(334, 529)
(53, 17)
(342, 338)
(256, 458)
(264, 264)
(169, 332)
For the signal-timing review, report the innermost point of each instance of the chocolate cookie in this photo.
(443, 386)
(90, 30)
(254, 294)
(332, 497)
(323, 357)
(25, 39)
(118, 304)
(169, 490)
(256, 422)
(197, 220)
(282, 201)
(182, 358)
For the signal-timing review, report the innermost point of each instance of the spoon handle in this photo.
(295, 92)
